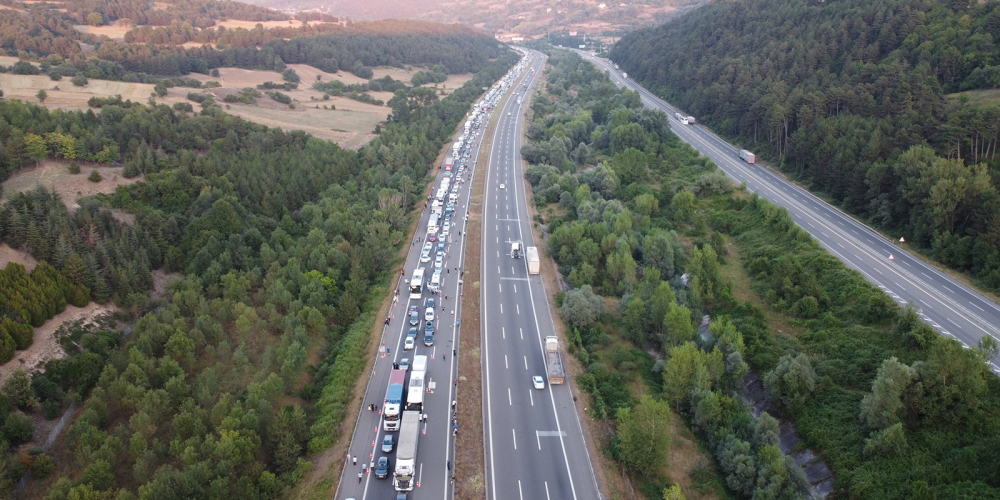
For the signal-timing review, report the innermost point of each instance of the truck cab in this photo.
(515, 249)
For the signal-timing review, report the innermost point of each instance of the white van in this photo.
(436, 281)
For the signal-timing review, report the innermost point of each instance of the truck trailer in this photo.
(553, 361)
(534, 265)
(404, 475)
(393, 400)
(747, 156)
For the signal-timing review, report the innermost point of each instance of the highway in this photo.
(435, 446)
(535, 448)
(950, 307)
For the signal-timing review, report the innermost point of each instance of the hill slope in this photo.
(851, 96)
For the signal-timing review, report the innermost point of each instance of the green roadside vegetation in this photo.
(283, 242)
(885, 107)
(895, 410)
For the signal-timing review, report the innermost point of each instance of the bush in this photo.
(55, 76)
(43, 466)
(160, 89)
(24, 68)
(7, 347)
(196, 97)
(79, 80)
(282, 98)
(18, 428)
(94, 176)
(74, 167)
(183, 106)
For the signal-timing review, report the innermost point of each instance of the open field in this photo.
(8, 254)
(117, 30)
(55, 175)
(64, 95)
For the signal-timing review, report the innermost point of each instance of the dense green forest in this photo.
(283, 242)
(896, 410)
(852, 98)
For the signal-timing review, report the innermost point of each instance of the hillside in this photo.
(850, 97)
(528, 18)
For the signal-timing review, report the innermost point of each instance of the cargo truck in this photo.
(534, 265)
(747, 156)
(393, 400)
(515, 249)
(553, 361)
(404, 475)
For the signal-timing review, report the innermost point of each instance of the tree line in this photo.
(855, 103)
(867, 385)
(284, 243)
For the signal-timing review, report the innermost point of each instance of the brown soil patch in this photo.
(54, 175)
(114, 31)
(46, 345)
(160, 280)
(8, 254)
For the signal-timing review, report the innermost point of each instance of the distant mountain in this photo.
(525, 17)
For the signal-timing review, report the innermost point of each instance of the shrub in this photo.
(94, 176)
(55, 76)
(74, 167)
(18, 428)
(183, 106)
(160, 89)
(79, 80)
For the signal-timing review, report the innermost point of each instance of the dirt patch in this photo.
(114, 31)
(8, 254)
(54, 175)
(348, 128)
(46, 345)
(160, 280)
(685, 461)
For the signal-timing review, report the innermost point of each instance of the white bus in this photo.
(432, 224)
(417, 284)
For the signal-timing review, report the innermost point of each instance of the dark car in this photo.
(387, 444)
(429, 333)
(414, 317)
(430, 302)
(382, 468)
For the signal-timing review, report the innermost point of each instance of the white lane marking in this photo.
(510, 401)
(501, 308)
(538, 440)
(499, 285)
(522, 333)
(498, 269)
(547, 491)
(515, 288)
(525, 362)
(505, 364)
(531, 397)
(514, 434)
(518, 308)
(519, 492)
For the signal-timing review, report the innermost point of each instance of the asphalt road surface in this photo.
(534, 443)
(435, 445)
(950, 307)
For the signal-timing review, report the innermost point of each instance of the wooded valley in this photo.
(283, 244)
(857, 99)
(894, 409)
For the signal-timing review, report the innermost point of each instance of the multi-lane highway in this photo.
(435, 445)
(949, 306)
(534, 442)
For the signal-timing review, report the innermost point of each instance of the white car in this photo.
(411, 340)
(404, 364)
(503, 187)
(425, 256)
(429, 314)
(538, 382)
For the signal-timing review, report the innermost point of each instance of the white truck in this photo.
(534, 265)
(686, 120)
(404, 474)
(553, 361)
(747, 156)
(515, 249)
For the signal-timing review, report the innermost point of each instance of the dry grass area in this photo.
(46, 345)
(8, 254)
(733, 271)
(117, 30)
(114, 31)
(64, 95)
(54, 175)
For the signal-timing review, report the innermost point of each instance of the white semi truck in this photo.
(404, 475)
(534, 265)
(553, 361)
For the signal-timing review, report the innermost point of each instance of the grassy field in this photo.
(55, 175)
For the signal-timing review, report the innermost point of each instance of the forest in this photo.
(282, 245)
(858, 101)
(639, 219)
